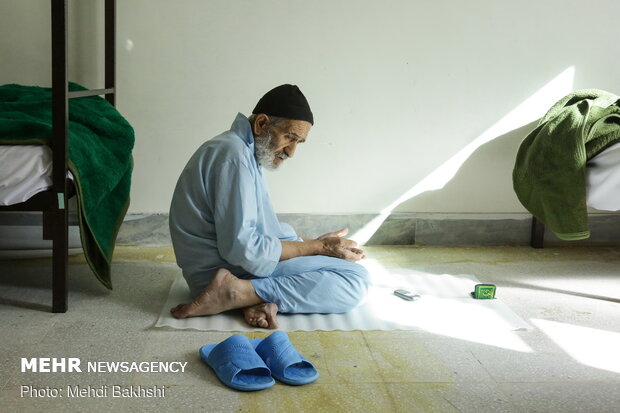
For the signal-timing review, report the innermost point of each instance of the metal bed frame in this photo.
(53, 203)
(537, 239)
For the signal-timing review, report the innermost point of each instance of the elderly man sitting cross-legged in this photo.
(232, 249)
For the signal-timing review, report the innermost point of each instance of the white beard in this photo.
(264, 153)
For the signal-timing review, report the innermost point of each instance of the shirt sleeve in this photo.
(240, 241)
(287, 233)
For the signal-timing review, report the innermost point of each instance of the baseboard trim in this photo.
(428, 229)
(398, 229)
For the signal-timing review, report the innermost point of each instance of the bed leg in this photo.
(60, 261)
(538, 233)
(48, 225)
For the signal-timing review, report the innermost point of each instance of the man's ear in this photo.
(261, 122)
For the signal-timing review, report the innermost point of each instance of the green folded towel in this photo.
(99, 150)
(549, 176)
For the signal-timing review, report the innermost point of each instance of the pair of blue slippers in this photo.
(249, 365)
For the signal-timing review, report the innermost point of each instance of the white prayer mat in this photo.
(445, 307)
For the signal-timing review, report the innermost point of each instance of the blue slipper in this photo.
(236, 364)
(285, 363)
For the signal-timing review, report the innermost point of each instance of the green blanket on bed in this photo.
(99, 150)
(549, 176)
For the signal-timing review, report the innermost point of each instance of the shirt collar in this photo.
(242, 128)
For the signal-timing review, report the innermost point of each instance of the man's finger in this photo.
(357, 251)
(350, 254)
(336, 234)
(342, 232)
(348, 243)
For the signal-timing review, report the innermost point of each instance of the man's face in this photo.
(276, 143)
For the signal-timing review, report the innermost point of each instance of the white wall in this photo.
(398, 88)
(25, 42)
(25, 50)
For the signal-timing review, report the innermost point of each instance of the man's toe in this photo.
(272, 322)
(173, 310)
(180, 311)
(270, 314)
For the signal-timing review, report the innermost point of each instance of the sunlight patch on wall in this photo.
(528, 111)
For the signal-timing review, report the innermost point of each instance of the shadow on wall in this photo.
(485, 173)
(512, 127)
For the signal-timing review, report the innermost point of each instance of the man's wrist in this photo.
(311, 247)
(292, 249)
(318, 248)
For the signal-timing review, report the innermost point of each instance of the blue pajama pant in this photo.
(316, 284)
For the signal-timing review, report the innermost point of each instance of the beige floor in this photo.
(568, 362)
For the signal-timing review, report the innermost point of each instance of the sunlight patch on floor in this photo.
(589, 346)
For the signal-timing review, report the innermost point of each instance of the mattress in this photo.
(603, 180)
(26, 170)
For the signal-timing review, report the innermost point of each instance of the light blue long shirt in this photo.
(221, 214)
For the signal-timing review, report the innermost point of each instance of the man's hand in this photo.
(340, 233)
(331, 244)
(336, 246)
(341, 248)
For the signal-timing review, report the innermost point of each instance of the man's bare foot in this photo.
(262, 315)
(225, 292)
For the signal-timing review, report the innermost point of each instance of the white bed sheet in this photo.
(25, 170)
(603, 180)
